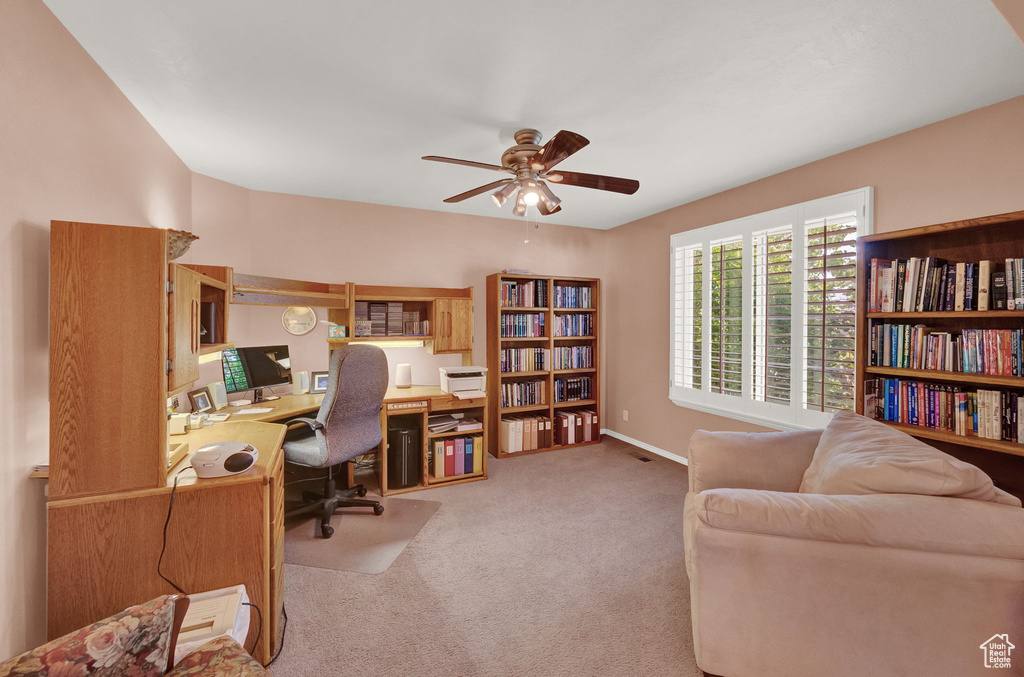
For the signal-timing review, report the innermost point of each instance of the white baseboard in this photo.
(646, 447)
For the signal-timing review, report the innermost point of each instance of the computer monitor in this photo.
(255, 368)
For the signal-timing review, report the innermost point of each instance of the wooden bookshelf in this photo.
(994, 238)
(551, 313)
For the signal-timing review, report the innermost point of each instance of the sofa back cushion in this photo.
(857, 455)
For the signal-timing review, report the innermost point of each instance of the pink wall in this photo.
(71, 147)
(336, 241)
(967, 166)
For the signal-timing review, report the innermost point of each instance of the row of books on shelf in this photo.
(570, 389)
(524, 293)
(573, 357)
(528, 433)
(523, 393)
(388, 319)
(581, 324)
(994, 352)
(931, 284)
(524, 359)
(518, 325)
(987, 414)
(456, 456)
(567, 296)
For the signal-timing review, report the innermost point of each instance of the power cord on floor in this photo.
(284, 629)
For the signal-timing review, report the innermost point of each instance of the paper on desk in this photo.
(470, 394)
(254, 410)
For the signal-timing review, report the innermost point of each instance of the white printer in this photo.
(464, 381)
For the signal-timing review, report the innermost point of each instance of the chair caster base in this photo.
(378, 509)
(326, 530)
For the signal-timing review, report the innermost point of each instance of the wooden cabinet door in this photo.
(453, 325)
(183, 328)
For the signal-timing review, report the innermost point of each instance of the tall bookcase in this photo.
(561, 316)
(993, 238)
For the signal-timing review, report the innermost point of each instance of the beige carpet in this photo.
(561, 564)
(362, 543)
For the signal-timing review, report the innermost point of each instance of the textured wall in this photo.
(71, 147)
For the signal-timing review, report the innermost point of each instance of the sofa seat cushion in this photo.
(218, 658)
(857, 455)
(903, 521)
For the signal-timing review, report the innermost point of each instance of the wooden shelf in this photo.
(528, 407)
(214, 347)
(947, 314)
(365, 339)
(454, 479)
(455, 433)
(1014, 448)
(989, 238)
(497, 313)
(574, 403)
(261, 290)
(953, 376)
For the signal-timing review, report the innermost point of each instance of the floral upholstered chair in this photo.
(137, 642)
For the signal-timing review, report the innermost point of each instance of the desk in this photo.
(418, 402)
(103, 550)
(286, 406)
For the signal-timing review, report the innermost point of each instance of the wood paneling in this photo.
(183, 328)
(108, 345)
(218, 536)
(453, 325)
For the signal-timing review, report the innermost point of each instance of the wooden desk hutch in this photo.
(125, 336)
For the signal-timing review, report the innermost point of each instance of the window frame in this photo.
(793, 416)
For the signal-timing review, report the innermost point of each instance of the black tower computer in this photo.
(403, 454)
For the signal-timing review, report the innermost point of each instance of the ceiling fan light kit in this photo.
(531, 164)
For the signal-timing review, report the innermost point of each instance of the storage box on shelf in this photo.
(941, 314)
(543, 362)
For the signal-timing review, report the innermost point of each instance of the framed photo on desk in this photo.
(201, 400)
(318, 381)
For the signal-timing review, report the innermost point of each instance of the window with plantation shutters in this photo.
(726, 317)
(763, 313)
(830, 303)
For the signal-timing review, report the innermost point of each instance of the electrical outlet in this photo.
(625, 415)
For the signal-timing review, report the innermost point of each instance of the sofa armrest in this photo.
(136, 641)
(769, 461)
(937, 524)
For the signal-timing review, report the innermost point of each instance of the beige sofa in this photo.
(800, 566)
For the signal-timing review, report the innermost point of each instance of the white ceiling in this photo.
(340, 99)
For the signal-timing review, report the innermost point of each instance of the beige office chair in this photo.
(347, 425)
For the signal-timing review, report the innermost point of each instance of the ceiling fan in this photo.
(532, 165)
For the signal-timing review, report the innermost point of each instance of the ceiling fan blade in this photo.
(544, 211)
(468, 163)
(612, 183)
(560, 146)
(477, 191)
